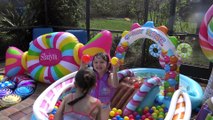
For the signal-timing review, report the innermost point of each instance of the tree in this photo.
(63, 12)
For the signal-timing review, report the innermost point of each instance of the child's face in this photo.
(99, 64)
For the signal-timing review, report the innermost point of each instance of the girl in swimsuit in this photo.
(80, 105)
(107, 81)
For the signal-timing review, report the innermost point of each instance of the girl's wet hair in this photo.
(84, 79)
(104, 56)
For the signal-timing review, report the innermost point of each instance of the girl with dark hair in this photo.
(107, 81)
(80, 105)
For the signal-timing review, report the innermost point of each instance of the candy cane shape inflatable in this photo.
(180, 107)
(141, 93)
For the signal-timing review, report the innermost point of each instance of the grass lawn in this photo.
(110, 24)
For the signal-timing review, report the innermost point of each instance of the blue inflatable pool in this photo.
(187, 84)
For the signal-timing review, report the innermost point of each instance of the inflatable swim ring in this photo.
(184, 50)
(154, 50)
(51, 56)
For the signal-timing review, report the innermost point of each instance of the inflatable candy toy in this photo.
(139, 96)
(54, 55)
(134, 26)
(44, 104)
(180, 108)
(206, 110)
(206, 44)
(206, 34)
(184, 50)
(154, 50)
(168, 49)
(174, 40)
(163, 28)
(9, 100)
(24, 91)
(13, 64)
(5, 91)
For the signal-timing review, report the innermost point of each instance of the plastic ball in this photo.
(131, 116)
(86, 58)
(114, 60)
(56, 107)
(119, 111)
(136, 85)
(51, 117)
(112, 113)
(126, 118)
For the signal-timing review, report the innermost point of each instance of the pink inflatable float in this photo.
(54, 55)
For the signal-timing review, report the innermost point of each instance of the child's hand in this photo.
(85, 59)
(115, 63)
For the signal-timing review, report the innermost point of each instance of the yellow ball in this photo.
(126, 118)
(114, 109)
(112, 113)
(119, 111)
(114, 60)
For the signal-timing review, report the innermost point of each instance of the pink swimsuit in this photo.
(73, 115)
(103, 91)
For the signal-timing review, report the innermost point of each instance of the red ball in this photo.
(86, 58)
(136, 85)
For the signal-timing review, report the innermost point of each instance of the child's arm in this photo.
(99, 117)
(113, 79)
(83, 65)
(60, 111)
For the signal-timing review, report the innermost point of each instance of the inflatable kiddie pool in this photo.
(45, 103)
(187, 84)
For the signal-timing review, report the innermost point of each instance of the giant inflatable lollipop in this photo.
(206, 44)
(54, 55)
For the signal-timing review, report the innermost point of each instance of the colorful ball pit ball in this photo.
(114, 60)
(86, 58)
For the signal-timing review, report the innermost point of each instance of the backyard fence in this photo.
(137, 55)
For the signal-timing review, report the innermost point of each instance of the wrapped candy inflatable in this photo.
(13, 64)
(54, 55)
